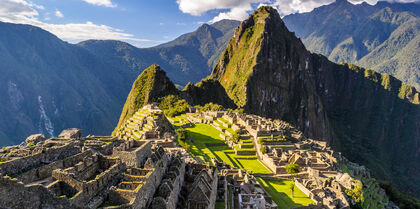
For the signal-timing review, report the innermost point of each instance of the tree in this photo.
(235, 137)
(292, 168)
(182, 134)
(292, 188)
(212, 107)
(173, 105)
(357, 192)
(262, 149)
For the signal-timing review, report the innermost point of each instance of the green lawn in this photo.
(204, 133)
(282, 195)
(279, 190)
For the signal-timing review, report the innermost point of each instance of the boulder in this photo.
(71, 133)
(35, 138)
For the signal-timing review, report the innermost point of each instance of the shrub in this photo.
(173, 105)
(182, 134)
(263, 150)
(211, 107)
(235, 137)
(292, 168)
(356, 193)
(30, 145)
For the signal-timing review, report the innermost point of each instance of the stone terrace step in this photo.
(246, 146)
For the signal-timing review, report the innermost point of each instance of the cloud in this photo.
(239, 9)
(20, 11)
(58, 14)
(105, 3)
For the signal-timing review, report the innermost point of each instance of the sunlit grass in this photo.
(282, 195)
(204, 133)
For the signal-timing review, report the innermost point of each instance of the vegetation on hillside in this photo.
(150, 85)
(404, 201)
(356, 193)
(240, 54)
(173, 105)
(388, 82)
(211, 107)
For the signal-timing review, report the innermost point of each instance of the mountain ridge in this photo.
(372, 36)
(342, 104)
(200, 50)
(36, 63)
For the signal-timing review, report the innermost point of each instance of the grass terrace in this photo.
(282, 195)
(178, 120)
(207, 144)
(225, 121)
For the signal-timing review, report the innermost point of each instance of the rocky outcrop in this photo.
(372, 118)
(35, 138)
(206, 91)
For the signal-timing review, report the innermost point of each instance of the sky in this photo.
(143, 23)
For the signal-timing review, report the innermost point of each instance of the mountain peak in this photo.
(342, 2)
(150, 85)
(262, 38)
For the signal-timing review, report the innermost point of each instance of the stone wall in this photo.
(171, 186)
(46, 171)
(48, 155)
(245, 152)
(133, 153)
(142, 196)
(16, 195)
(305, 191)
(81, 177)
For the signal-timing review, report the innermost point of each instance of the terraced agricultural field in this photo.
(282, 195)
(204, 134)
(206, 143)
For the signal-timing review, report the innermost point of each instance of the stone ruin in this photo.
(247, 192)
(98, 172)
(143, 167)
(320, 175)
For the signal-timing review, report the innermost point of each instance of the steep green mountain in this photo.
(383, 37)
(371, 118)
(189, 57)
(47, 85)
(151, 84)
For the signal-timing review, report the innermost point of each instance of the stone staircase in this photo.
(136, 126)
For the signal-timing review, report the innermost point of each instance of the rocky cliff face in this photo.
(372, 118)
(151, 84)
(206, 91)
(267, 71)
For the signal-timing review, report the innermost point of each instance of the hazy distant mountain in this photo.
(384, 37)
(190, 57)
(47, 84)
